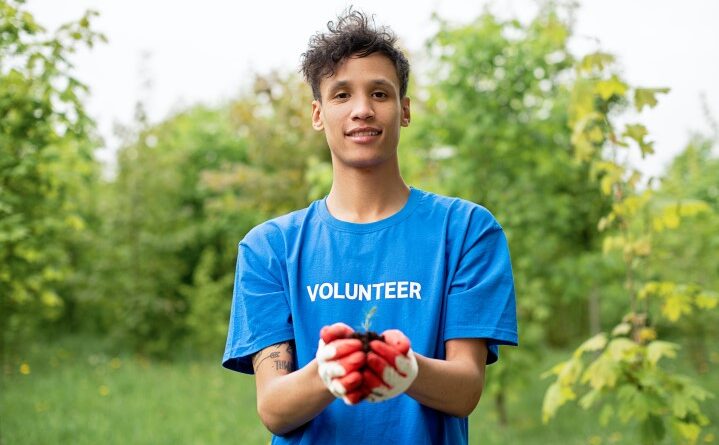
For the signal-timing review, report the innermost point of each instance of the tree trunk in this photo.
(500, 405)
(595, 313)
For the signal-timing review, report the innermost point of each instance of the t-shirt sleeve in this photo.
(481, 301)
(260, 314)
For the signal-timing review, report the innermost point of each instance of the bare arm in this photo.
(287, 398)
(454, 385)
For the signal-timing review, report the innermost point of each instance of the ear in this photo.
(317, 123)
(404, 119)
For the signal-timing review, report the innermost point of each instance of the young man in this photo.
(435, 271)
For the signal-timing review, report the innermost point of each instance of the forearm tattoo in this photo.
(283, 364)
(274, 353)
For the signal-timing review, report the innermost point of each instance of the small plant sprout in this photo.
(368, 318)
(367, 336)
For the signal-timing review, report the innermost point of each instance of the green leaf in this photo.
(606, 185)
(652, 430)
(570, 372)
(555, 370)
(621, 329)
(610, 87)
(556, 396)
(595, 135)
(50, 299)
(593, 344)
(675, 306)
(694, 207)
(604, 222)
(646, 97)
(706, 300)
(368, 318)
(621, 348)
(668, 219)
(637, 132)
(601, 373)
(595, 61)
(589, 399)
(14, 234)
(29, 23)
(658, 349)
(647, 334)
(693, 390)
(689, 431)
(680, 405)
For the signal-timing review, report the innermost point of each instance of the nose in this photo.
(362, 109)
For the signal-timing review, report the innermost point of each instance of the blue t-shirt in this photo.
(438, 269)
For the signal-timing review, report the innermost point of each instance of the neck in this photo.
(364, 195)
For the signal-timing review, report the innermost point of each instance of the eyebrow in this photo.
(344, 83)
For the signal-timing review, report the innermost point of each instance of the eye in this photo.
(342, 95)
(379, 94)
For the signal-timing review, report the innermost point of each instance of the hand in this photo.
(391, 366)
(340, 359)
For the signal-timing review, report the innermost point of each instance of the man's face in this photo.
(361, 111)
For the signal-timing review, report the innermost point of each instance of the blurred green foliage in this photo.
(626, 372)
(146, 257)
(688, 254)
(185, 193)
(46, 161)
(494, 130)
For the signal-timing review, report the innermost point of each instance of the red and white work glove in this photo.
(340, 360)
(391, 366)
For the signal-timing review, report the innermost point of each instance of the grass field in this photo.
(73, 393)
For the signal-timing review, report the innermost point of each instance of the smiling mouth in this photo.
(363, 133)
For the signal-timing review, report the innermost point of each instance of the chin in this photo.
(362, 162)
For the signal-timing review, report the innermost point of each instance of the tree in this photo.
(688, 254)
(625, 370)
(186, 191)
(495, 132)
(46, 159)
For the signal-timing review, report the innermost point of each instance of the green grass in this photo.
(70, 397)
(73, 392)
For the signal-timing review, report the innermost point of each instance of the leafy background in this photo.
(115, 290)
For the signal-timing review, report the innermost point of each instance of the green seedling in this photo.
(367, 336)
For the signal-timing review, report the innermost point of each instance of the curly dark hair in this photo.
(354, 34)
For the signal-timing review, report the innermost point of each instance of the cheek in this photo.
(333, 122)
